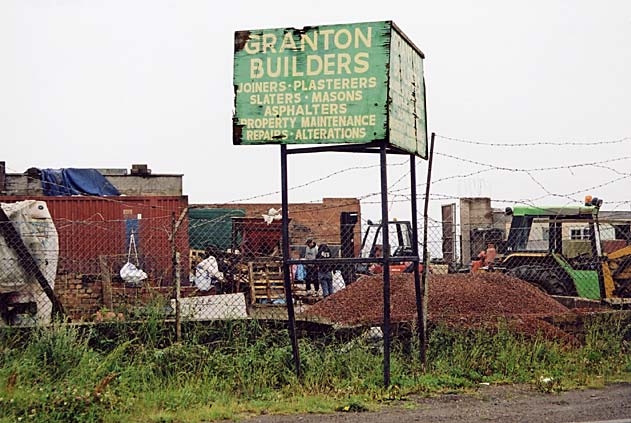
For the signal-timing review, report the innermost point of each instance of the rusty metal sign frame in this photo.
(383, 149)
(398, 93)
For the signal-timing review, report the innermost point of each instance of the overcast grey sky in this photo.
(110, 83)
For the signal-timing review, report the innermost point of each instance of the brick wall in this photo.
(167, 185)
(146, 185)
(320, 221)
(82, 296)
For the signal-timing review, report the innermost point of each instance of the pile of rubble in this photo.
(470, 300)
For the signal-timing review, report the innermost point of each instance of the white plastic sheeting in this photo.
(206, 273)
(225, 306)
(33, 222)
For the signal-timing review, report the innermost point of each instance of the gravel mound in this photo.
(455, 299)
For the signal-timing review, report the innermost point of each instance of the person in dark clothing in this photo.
(325, 270)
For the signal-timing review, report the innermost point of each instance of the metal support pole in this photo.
(178, 306)
(418, 289)
(177, 277)
(598, 254)
(173, 246)
(386, 266)
(286, 267)
(426, 255)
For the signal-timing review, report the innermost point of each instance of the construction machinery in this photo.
(559, 249)
(400, 234)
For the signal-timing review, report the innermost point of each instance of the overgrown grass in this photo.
(63, 374)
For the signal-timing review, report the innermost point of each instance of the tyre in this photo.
(545, 279)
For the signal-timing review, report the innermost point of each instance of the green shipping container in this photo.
(211, 227)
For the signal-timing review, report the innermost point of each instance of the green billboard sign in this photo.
(354, 83)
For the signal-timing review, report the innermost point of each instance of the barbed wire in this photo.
(536, 143)
(536, 169)
(446, 178)
(122, 201)
(487, 167)
(529, 201)
(314, 181)
(592, 188)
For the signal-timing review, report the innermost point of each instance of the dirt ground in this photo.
(492, 404)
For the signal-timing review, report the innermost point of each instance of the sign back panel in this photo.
(406, 111)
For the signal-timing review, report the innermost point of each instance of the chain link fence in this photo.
(574, 256)
(219, 264)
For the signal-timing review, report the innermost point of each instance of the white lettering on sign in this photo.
(317, 84)
(315, 65)
(328, 64)
(343, 39)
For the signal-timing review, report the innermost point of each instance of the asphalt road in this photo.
(611, 404)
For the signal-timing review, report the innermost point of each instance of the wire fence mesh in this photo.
(219, 264)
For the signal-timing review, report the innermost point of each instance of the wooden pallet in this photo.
(266, 282)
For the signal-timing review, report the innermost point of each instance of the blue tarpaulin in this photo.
(63, 182)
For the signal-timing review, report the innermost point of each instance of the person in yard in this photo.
(489, 255)
(298, 271)
(476, 265)
(377, 252)
(207, 274)
(312, 273)
(325, 270)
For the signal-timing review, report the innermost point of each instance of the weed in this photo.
(230, 369)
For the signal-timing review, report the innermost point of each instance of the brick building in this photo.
(320, 221)
(137, 181)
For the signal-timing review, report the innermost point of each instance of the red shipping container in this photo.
(90, 227)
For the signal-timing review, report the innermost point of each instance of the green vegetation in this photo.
(114, 373)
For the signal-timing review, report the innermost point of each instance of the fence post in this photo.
(173, 246)
(386, 264)
(291, 318)
(418, 289)
(178, 309)
(106, 280)
(426, 255)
